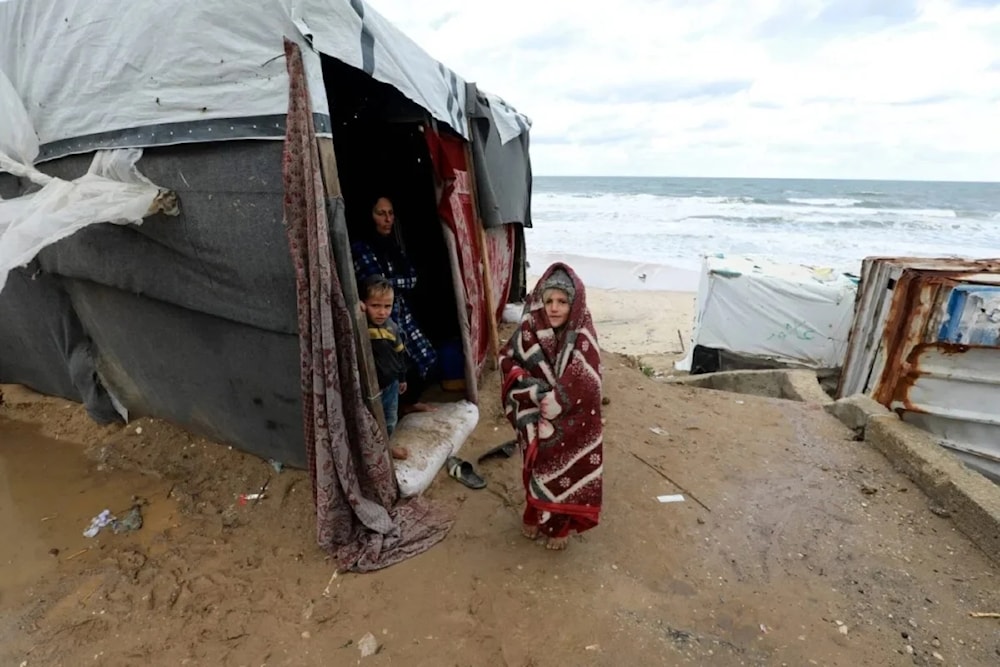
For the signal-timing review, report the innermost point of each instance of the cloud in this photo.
(550, 139)
(659, 91)
(813, 88)
(553, 39)
(713, 124)
(977, 3)
(805, 21)
(440, 21)
(855, 12)
(941, 98)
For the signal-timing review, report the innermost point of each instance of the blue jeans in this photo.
(390, 405)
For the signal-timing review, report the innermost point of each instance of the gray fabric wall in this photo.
(503, 171)
(191, 319)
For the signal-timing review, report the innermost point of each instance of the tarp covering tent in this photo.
(758, 311)
(194, 314)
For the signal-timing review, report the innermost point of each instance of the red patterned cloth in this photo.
(552, 396)
(359, 518)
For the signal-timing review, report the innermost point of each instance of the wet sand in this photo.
(49, 492)
(794, 544)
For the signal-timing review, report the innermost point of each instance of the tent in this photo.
(174, 121)
(753, 312)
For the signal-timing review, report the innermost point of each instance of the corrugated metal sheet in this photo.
(925, 342)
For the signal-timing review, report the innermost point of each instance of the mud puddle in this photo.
(49, 492)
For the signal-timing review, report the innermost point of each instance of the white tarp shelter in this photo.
(166, 72)
(791, 314)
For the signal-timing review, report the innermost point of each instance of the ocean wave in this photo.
(674, 222)
(745, 206)
(824, 201)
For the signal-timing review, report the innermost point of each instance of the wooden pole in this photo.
(341, 247)
(484, 254)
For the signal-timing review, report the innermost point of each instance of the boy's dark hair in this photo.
(373, 286)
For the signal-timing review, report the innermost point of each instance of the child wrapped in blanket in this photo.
(551, 375)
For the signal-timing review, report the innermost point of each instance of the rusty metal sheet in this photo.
(925, 342)
(953, 391)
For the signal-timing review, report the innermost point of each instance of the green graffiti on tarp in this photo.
(799, 331)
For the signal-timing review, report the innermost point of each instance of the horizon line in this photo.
(779, 178)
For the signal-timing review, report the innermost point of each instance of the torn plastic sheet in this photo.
(112, 190)
(17, 139)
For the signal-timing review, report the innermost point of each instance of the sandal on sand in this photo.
(464, 472)
(506, 450)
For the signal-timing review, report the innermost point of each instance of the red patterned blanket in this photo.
(552, 396)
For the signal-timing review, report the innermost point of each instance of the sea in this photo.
(674, 222)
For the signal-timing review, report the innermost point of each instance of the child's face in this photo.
(556, 307)
(379, 307)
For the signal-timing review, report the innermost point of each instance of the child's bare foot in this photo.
(400, 453)
(531, 532)
(557, 543)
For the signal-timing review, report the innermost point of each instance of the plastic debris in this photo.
(368, 645)
(131, 521)
(675, 498)
(247, 497)
(277, 465)
(100, 521)
(657, 430)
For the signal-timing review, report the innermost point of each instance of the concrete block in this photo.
(854, 411)
(792, 384)
(756, 383)
(803, 385)
(971, 500)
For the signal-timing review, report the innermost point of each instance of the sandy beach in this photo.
(643, 311)
(786, 542)
(772, 556)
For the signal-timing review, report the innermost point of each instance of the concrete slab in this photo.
(792, 384)
(971, 500)
(854, 411)
(803, 385)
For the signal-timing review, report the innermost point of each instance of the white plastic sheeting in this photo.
(112, 190)
(84, 68)
(792, 314)
(70, 69)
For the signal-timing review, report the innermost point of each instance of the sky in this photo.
(869, 89)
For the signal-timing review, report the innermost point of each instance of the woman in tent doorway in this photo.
(379, 252)
(551, 391)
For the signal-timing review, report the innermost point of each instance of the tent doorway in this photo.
(381, 151)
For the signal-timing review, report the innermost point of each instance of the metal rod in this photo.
(667, 477)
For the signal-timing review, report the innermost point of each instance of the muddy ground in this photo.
(794, 545)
